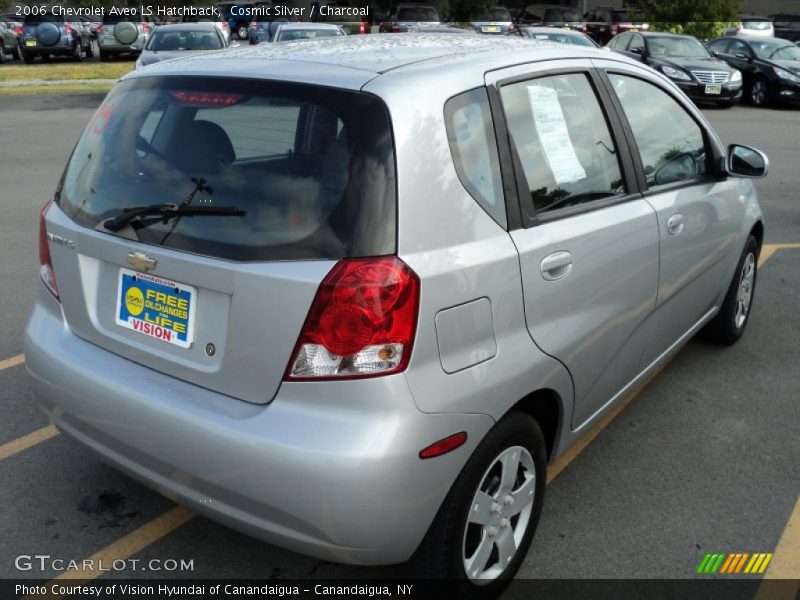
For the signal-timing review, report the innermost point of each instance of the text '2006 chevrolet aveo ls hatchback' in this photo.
(352, 296)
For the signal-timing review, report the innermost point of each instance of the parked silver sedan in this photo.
(359, 322)
(181, 39)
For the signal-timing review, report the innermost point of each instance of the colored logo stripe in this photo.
(734, 563)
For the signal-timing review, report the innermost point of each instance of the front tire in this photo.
(731, 320)
(483, 530)
(759, 91)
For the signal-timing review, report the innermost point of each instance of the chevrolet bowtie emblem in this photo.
(141, 261)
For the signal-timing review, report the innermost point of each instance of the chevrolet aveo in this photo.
(352, 296)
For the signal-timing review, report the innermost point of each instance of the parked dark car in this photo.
(787, 27)
(409, 14)
(603, 23)
(9, 40)
(495, 20)
(770, 67)
(46, 35)
(687, 62)
(548, 15)
(553, 34)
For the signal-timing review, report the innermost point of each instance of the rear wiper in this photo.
(169, 211)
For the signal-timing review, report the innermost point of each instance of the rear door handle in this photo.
(556, 266)
(675, 224)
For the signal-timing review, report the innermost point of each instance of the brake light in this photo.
(395, 28)
(361, 324)
(145, 27)
(68, 28)
(362, 27)
(205, 99)
(46, 271)
(226, 26)
(18, 30)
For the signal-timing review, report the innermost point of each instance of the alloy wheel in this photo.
(744, 294)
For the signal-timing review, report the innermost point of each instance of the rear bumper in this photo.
(330, 470)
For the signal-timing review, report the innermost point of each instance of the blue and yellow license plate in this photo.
(156, 307)
(30, 43)
(491, 28)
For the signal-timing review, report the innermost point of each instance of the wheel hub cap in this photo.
(499, 515)
(744, 294)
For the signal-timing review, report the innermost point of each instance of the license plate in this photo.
(30, 43)
(634, 29)
(491, 29)
(156, 307)
(713, 89)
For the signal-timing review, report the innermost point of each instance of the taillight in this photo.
(583, 28)
(99, 29)
(145, 27)
(362, 322)
(68, 28)
(614, 30)
(395, 28)
(46, 271)
(253, 25)
(228, 27)
(362, 27)
(18, 30)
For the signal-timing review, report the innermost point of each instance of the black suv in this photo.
(47, 35)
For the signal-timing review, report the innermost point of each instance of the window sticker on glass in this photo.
(553, 134)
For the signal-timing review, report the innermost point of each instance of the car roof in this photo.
(304, 26)
(199, 26)
(352, 61)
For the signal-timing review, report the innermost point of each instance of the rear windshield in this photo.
(290, 35)
(759, 24)
(113, 19)
(418, 13)
(312, 168)
(495, 13)
(164, 41)
(562, 15)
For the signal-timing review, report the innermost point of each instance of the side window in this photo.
(563, 142)
(670, 142)
(738, 47)
(637, 43)
(620, 42)
(470, 132)
(718, 46)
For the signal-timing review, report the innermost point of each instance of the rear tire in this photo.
(478, 527)
(77, 53)
(89, 49)
(2, 54)
(16, 53)
(104, 56)
(731, 320)
(27, 58)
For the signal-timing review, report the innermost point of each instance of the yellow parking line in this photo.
(768, 250)
(26, 441)
(12, 362)
(781, 581)
(127, 546)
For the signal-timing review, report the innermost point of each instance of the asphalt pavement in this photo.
(704, 459)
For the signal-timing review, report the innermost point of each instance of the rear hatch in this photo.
(218, 300)
(42, 31)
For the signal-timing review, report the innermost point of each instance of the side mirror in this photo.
(743, 161)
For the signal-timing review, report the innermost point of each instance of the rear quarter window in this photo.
(470, 132)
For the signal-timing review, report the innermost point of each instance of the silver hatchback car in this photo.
(358, 322)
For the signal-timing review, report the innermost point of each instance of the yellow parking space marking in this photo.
(12, 362)
(132, 543)
(782, 579)
(768, 250)
(27, 441)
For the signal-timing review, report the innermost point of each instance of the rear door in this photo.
(587, 240)
(218, 300)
